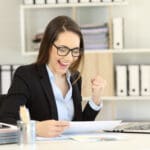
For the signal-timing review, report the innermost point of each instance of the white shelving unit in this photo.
(96, 4)
(73, 6)
(114, 104)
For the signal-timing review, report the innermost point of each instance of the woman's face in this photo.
(60, 64)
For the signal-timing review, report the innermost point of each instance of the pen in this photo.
(24, 114)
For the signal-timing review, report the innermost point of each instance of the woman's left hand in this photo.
(98, 85)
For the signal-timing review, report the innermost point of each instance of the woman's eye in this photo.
(63, 49)
(76, 51)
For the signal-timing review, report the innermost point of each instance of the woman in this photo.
(51, 87)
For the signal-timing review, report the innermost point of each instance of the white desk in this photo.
(131, 142)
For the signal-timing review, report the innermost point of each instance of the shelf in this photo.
(35, 6)
(104, 51)
(126, 98)
(119, 51)
(122, 98)
(130, 51)
(24, 46)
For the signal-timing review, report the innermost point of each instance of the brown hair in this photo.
(54, 28)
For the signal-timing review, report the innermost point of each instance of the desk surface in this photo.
(130, 142)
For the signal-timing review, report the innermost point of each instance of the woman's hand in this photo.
(98, 85)
(51, 128)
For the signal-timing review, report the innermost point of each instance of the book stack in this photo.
(8, 133)
(95, 37)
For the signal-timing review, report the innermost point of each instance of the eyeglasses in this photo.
(64, 51)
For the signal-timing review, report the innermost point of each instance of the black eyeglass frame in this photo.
(69, 50)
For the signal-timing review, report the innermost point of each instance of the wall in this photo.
(136, 28)
(137, 23)
(10, 33)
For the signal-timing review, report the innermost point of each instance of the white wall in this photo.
(137, 23)
(10, 33)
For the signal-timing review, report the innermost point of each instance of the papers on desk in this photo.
(90, 126)
(97, 137)
(87, 137)
(8, 133)
(86, 131)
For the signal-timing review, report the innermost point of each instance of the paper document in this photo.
(90, 126)
(86, 137)
(97, 137)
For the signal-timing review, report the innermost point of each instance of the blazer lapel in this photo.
(76, 95)
(44, 79)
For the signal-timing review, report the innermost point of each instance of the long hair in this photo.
(54, 28)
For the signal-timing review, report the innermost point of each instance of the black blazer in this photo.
(31, 87)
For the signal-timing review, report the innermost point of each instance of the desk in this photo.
(131, 142)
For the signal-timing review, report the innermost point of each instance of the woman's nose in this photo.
(69, 56)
